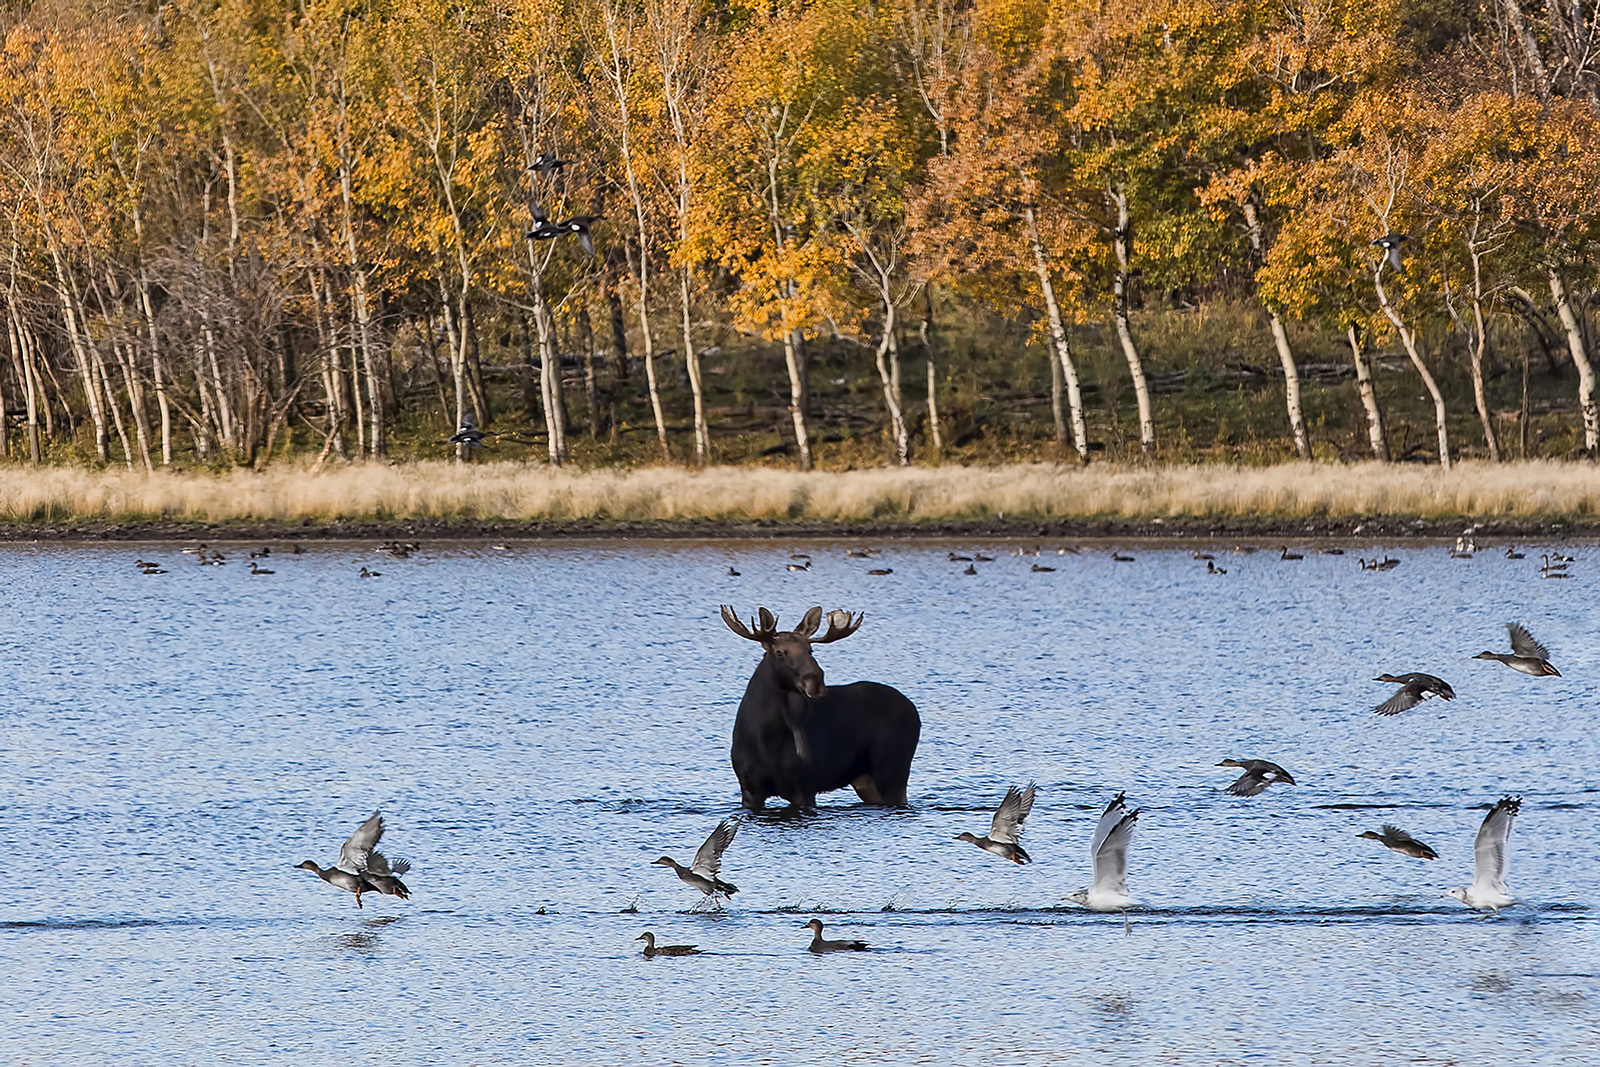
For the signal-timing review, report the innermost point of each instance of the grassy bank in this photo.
(442, 491)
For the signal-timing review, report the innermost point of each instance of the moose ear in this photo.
(809, 624)
(769, 621)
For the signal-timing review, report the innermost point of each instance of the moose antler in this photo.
(840, 625)
(764, 631)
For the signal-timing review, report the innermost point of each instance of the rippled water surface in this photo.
(538, 722)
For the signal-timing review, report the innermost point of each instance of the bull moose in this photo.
(795, 737)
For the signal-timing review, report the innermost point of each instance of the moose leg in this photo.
(753, 801)
(867, 790)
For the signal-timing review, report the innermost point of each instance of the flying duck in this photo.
(1258, 774)
(468, 434)
(1390, 243)
(1397, 840)
(1006, 826)
(1526, 655)
(1414, 688)
(579, 224)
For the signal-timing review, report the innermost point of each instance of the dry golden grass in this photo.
(514, 491)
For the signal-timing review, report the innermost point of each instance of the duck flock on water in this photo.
(361, 868)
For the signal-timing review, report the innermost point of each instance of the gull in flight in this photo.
(1488, 889)
(1414, 688)
(1397, 840)
(1108, 851)
(361, 867)
(702, 873)
(1007, 826)
(1526, 655)
(1258, 774)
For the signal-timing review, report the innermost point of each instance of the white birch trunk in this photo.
(1122, 241)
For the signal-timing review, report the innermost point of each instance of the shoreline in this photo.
(1179, 529)
(519, 501)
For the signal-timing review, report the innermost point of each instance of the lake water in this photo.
(540, 722)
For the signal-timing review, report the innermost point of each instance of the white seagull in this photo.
(1488, 889)
(1108, 851)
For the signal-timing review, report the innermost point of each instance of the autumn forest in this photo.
(805, 234)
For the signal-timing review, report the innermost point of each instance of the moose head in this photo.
(790, 650)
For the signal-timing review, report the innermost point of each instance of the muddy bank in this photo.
(1365, 528)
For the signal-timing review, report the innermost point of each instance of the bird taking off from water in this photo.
(1489, 858)
(1007, 826)
(1390, 243)
(1108, 852)
(1258, 774)
(361, 868)
(702, 873)
(1414, 688)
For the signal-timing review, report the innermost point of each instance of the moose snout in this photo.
(811, 685)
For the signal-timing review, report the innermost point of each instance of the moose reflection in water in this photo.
(795, 737)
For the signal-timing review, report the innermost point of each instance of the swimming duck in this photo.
(1490, 859)
(981, 558)
(1386, 564)
(153, 569)
(1212, 568)
(1414, 688)
(261, 553)
(1526, 655)
(1559, 558)
(651, 950)
(1553, 564)
(799, 555)
(881, 571)
(970, 569)
(1258, 774)
(370, 574)
(1006, 826)
(819, 944)
(1284, 553)
(1117, 557)
(1397, 840)
(256, 568)
(955, 558)
(798, 566)
(1512, 553)
(702, 873)
(1108, 853)
(1330, 551)
(1043, 570)
(1390, 243)
(1197, 554)
(362, 869)
(732, 573)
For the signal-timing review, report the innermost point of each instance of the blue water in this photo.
(538, 723)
